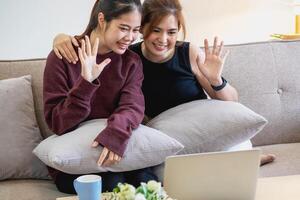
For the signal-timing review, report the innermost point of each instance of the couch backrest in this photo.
(267, 77)
(35, 67)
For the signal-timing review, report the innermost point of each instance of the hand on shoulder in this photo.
(63, 47)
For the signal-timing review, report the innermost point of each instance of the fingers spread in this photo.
(83, 49)
(88, 46)
(206, 48)
(80, 54)
(104, 63)
(220, 48)
(215, 45)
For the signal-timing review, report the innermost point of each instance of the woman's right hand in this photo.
(62, 47)
(90, 70)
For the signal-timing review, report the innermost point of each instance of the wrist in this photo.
(216, 82)
(88, 79)
(220, 86)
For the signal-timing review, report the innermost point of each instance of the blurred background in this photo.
(27, 28)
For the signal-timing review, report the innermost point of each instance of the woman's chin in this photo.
(119, 51)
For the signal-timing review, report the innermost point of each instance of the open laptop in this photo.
(212, 176)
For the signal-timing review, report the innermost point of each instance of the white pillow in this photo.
(209, 125)
(72, 152)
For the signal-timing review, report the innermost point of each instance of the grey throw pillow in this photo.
(72, 152)
(19, 133)
(209, 125)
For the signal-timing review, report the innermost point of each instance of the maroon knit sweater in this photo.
(116, 94)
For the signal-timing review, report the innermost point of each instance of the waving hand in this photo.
(90, 70)
(212, 66)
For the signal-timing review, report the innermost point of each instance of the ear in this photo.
(101, 19)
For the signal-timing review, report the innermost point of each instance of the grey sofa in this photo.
(267, 77)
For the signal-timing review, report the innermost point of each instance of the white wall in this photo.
(237, 21)
(28, 27)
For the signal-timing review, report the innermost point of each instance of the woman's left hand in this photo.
(212, 66)
(107, 157)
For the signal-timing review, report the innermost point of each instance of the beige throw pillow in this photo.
(209, 125)
(72, 152)
(19, 133)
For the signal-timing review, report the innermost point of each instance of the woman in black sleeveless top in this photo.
(169, 83)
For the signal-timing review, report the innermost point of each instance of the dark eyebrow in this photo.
(171, 29)
(124, 25)
(127, 26)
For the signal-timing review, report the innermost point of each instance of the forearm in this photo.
(127, 116)
(120, 125)
(228, 93)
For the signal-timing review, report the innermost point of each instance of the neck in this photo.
(157, 59)
(102, 49)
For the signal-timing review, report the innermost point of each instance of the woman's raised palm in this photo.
(212, 66)
(90, 70)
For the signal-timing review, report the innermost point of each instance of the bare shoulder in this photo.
(195, 53)
(194, 50)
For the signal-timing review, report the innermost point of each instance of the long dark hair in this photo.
(111, 9)
(154, 10)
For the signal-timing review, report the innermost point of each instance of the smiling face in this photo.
(120, 32)
(159, 46)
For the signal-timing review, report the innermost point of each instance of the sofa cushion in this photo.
(72, 152)
(34, 67)
(29, 190)
(209, 125)
(267, 75)
(19, 133)
(287, 160)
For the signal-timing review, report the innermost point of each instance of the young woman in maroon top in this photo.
(106, 83)
(161, 22)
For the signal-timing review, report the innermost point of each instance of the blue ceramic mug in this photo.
(88, 187)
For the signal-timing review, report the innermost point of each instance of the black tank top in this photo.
(169, 84)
